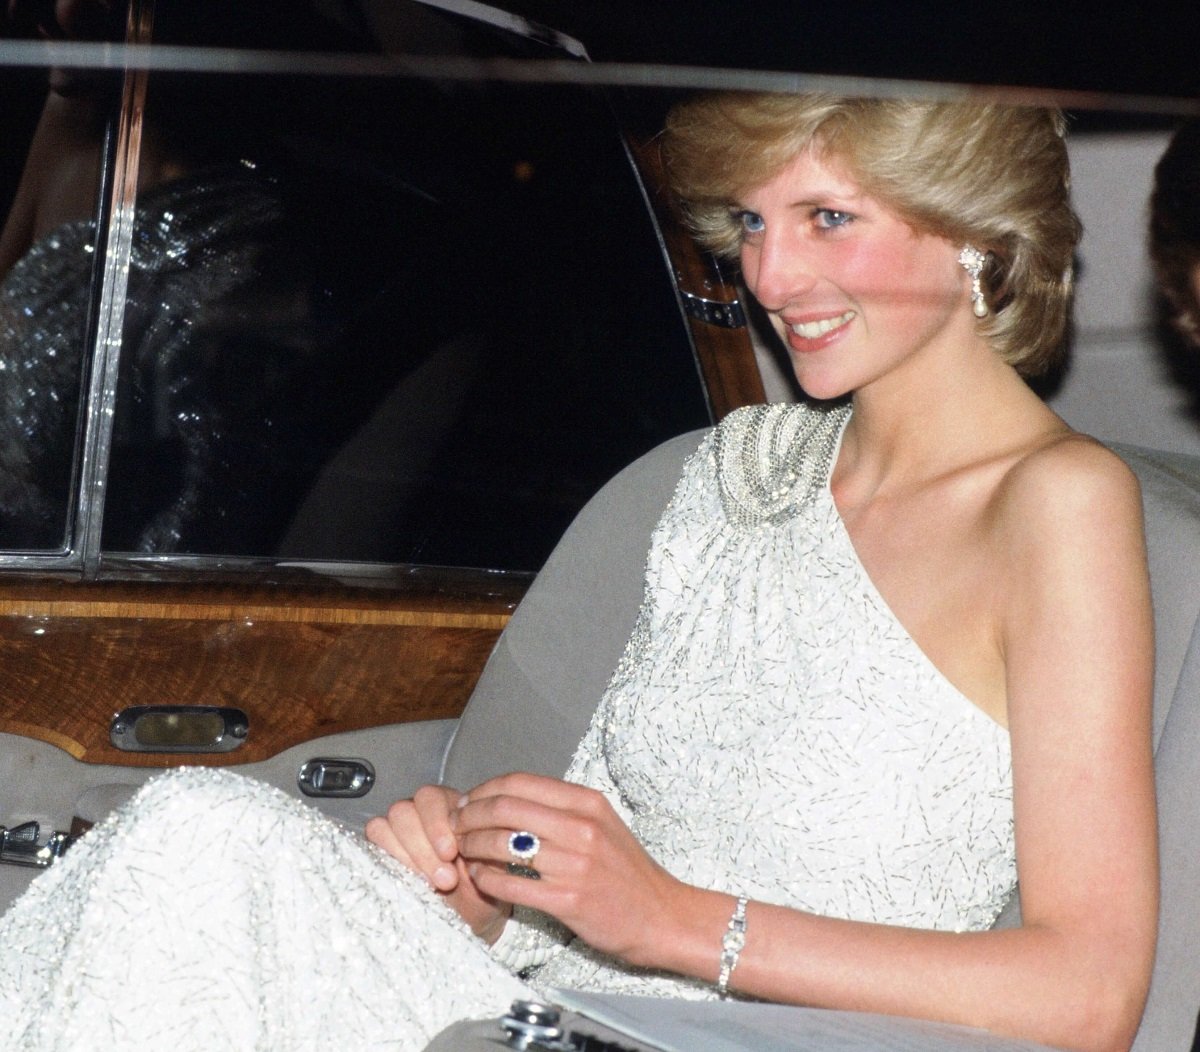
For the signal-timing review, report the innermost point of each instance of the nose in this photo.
(776, 270)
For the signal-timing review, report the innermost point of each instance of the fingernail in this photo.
(443, 877)
(463, 801)
(447, 847)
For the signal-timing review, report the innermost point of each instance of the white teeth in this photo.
(810, 330)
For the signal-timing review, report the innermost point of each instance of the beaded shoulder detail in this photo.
(772, 459)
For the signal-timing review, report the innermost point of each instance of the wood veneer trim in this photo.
(296, 614)
(33, 730)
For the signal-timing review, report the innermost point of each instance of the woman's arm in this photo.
(1073, 624)
(60, 178)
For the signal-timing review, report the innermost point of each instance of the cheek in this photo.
(778, 326)
(748, 265)
(906, 278)
(882, 273)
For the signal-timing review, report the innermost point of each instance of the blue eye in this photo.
(750, 222)
(829, 218)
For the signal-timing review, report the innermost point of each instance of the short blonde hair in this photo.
(993, 176)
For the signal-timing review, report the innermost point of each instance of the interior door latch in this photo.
(22, 845)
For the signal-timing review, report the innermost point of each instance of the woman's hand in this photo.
(593, 875)
(420, 834)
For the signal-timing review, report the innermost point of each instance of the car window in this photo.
(377, 319)
(50, 178)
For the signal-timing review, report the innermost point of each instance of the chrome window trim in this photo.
(480, 582)
(106, 349)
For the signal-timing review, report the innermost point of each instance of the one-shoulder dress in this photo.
(771, 730)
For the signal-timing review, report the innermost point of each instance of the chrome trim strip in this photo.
(102, 393)
(561, 71)
(130, 566)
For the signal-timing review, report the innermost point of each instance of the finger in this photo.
(380, 833)
(494, 848)
(405, 839)
(435, 806)
(552, 791)
(509, 814)
(567, 846)
(504, 885)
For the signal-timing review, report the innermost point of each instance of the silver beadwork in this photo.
(772, 731)
(770, 462)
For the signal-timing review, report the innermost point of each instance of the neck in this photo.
(914, 425)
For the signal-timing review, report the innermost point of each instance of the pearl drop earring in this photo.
(972, 261)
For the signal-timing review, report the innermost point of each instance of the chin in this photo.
(823, 388)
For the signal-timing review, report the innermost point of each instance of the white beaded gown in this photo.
(771, 730)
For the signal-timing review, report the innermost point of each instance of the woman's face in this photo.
(853, 291)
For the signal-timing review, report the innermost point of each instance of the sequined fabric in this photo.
(43, 303)
(771, 731)
(217, 370)
(214, 913)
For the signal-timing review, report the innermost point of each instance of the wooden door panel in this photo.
(300, 665)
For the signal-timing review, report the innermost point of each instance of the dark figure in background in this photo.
(1175, 247)
(1175, 229)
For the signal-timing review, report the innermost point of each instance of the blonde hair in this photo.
(993, 176)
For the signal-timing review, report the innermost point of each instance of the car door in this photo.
(315, 339)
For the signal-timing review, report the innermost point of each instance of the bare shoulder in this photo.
(1071, 487)
(1072, 578)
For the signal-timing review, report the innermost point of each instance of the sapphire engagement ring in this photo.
(523, 846)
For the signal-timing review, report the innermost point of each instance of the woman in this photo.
(855, 702)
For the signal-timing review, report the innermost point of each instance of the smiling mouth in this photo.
(810, 330)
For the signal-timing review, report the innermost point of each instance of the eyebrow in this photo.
(835, 202)
(827, 198)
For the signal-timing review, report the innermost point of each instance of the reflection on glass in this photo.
(47, 257)
(367, 319)
(54, 124)
(393, 321)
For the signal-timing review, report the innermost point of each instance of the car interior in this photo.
(364, 402)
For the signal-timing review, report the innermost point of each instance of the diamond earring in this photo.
(972, 261)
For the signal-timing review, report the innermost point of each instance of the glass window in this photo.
(54, 125)
(368, 318)
(395, 321)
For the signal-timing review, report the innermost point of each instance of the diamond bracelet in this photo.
(731, 945)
